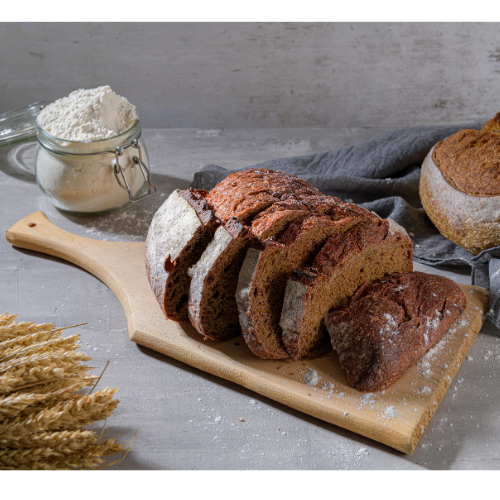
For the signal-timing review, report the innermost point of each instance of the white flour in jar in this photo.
(89, 120)
(88, 115)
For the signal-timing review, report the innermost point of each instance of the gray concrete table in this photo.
(185, 418)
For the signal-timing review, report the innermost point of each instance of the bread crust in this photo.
(366, 252)
(389, 325)
(224, 250)
(252, 205)
(244, 194)
(267, 267)
(469, 161)
(470, 221)
(176, 237)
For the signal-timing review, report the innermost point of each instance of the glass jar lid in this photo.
(20, 124)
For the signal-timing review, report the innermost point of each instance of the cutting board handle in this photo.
(106, 260)
(35, 232)
(101, 258)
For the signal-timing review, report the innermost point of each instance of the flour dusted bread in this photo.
(267, 267)
(366, 252)
(254, 204)
(179, 233)
(390, 324)
(460, 187)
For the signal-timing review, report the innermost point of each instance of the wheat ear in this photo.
(62, 416)
(54, 459)
(14, 329)
(63, 441)
(56, 344)
(28, 339)
(7, 319)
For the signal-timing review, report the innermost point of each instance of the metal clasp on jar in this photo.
(135, 161)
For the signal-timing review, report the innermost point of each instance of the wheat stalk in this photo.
(56, 459)
(14, 329)
(23, 379)
(47, 370)
(42, 411)
(75, 413)
(62, 441)
(60, 386)
(58, 357)
(7, 319)
(55, 344)
(28, 339)
(15, 404)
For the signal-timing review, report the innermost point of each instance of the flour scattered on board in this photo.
(390, 412)
(424, 390)
(311, 378)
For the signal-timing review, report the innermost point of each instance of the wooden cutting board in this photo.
(396, 417)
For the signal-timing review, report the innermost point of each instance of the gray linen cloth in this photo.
(382, 175)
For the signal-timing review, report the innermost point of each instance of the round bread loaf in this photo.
(460, 187)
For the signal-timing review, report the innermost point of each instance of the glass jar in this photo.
(96, 177)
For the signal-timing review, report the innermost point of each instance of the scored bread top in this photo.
(244, 194)
(340, 247)
(390, 324)
(339, 215)
(469, 160)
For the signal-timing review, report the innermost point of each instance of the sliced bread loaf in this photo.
(267, 267)
(179, 233)
(390, 324)
(253, 205)
(366, 252)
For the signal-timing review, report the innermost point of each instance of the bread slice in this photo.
(389, 325)
(365, 253)
(179, 233)
(253, 205)
(211, 299)
(267, 267)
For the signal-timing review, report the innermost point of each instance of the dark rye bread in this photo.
(252, 205)
(366, 252)
(267, 267)
(212, 310)
(179, 233)
(389, 325)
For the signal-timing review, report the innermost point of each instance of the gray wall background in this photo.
(251, 75)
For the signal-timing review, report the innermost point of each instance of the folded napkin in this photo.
(382, 175)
